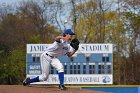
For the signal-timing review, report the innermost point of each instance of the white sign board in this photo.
(98, 71)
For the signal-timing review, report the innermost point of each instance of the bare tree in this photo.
(40, 16)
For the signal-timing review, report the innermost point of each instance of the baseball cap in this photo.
(68, 31)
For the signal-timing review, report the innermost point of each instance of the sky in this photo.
(5, 3)
(9, 1)
(12, 1)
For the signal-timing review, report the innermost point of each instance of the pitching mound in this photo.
(41, 89)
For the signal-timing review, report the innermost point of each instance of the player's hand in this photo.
(57, 39)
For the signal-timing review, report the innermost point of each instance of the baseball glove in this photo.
(74, 43)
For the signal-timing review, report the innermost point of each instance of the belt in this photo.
(49, 55)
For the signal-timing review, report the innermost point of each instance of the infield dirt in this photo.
(41, 89)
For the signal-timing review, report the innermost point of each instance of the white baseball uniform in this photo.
(49, 57)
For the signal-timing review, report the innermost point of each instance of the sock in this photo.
(61, 78)
(36, 79)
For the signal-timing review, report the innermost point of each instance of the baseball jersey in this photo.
(58, 48)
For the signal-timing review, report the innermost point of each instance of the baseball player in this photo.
(49, 57)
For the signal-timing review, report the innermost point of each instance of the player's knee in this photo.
(44, 77)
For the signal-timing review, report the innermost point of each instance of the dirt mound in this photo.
(41, 89)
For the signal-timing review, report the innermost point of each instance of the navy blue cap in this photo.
(68, 31)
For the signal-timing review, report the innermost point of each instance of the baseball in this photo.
(65, 21)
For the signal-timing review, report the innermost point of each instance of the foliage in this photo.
(26, 25)
(95, 24)
(94, 21)
(12, 67)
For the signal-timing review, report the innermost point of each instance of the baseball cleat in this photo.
(62, 87)
(26, 81)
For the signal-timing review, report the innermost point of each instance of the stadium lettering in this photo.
(34, 67)
(89, 79)
(71, 79)
(37, 48)
(95, 47)
(54, 79)
(34, 72)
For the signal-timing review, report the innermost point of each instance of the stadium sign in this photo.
(96, 68)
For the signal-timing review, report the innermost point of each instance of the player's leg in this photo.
(59, 67)
(45, 64)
